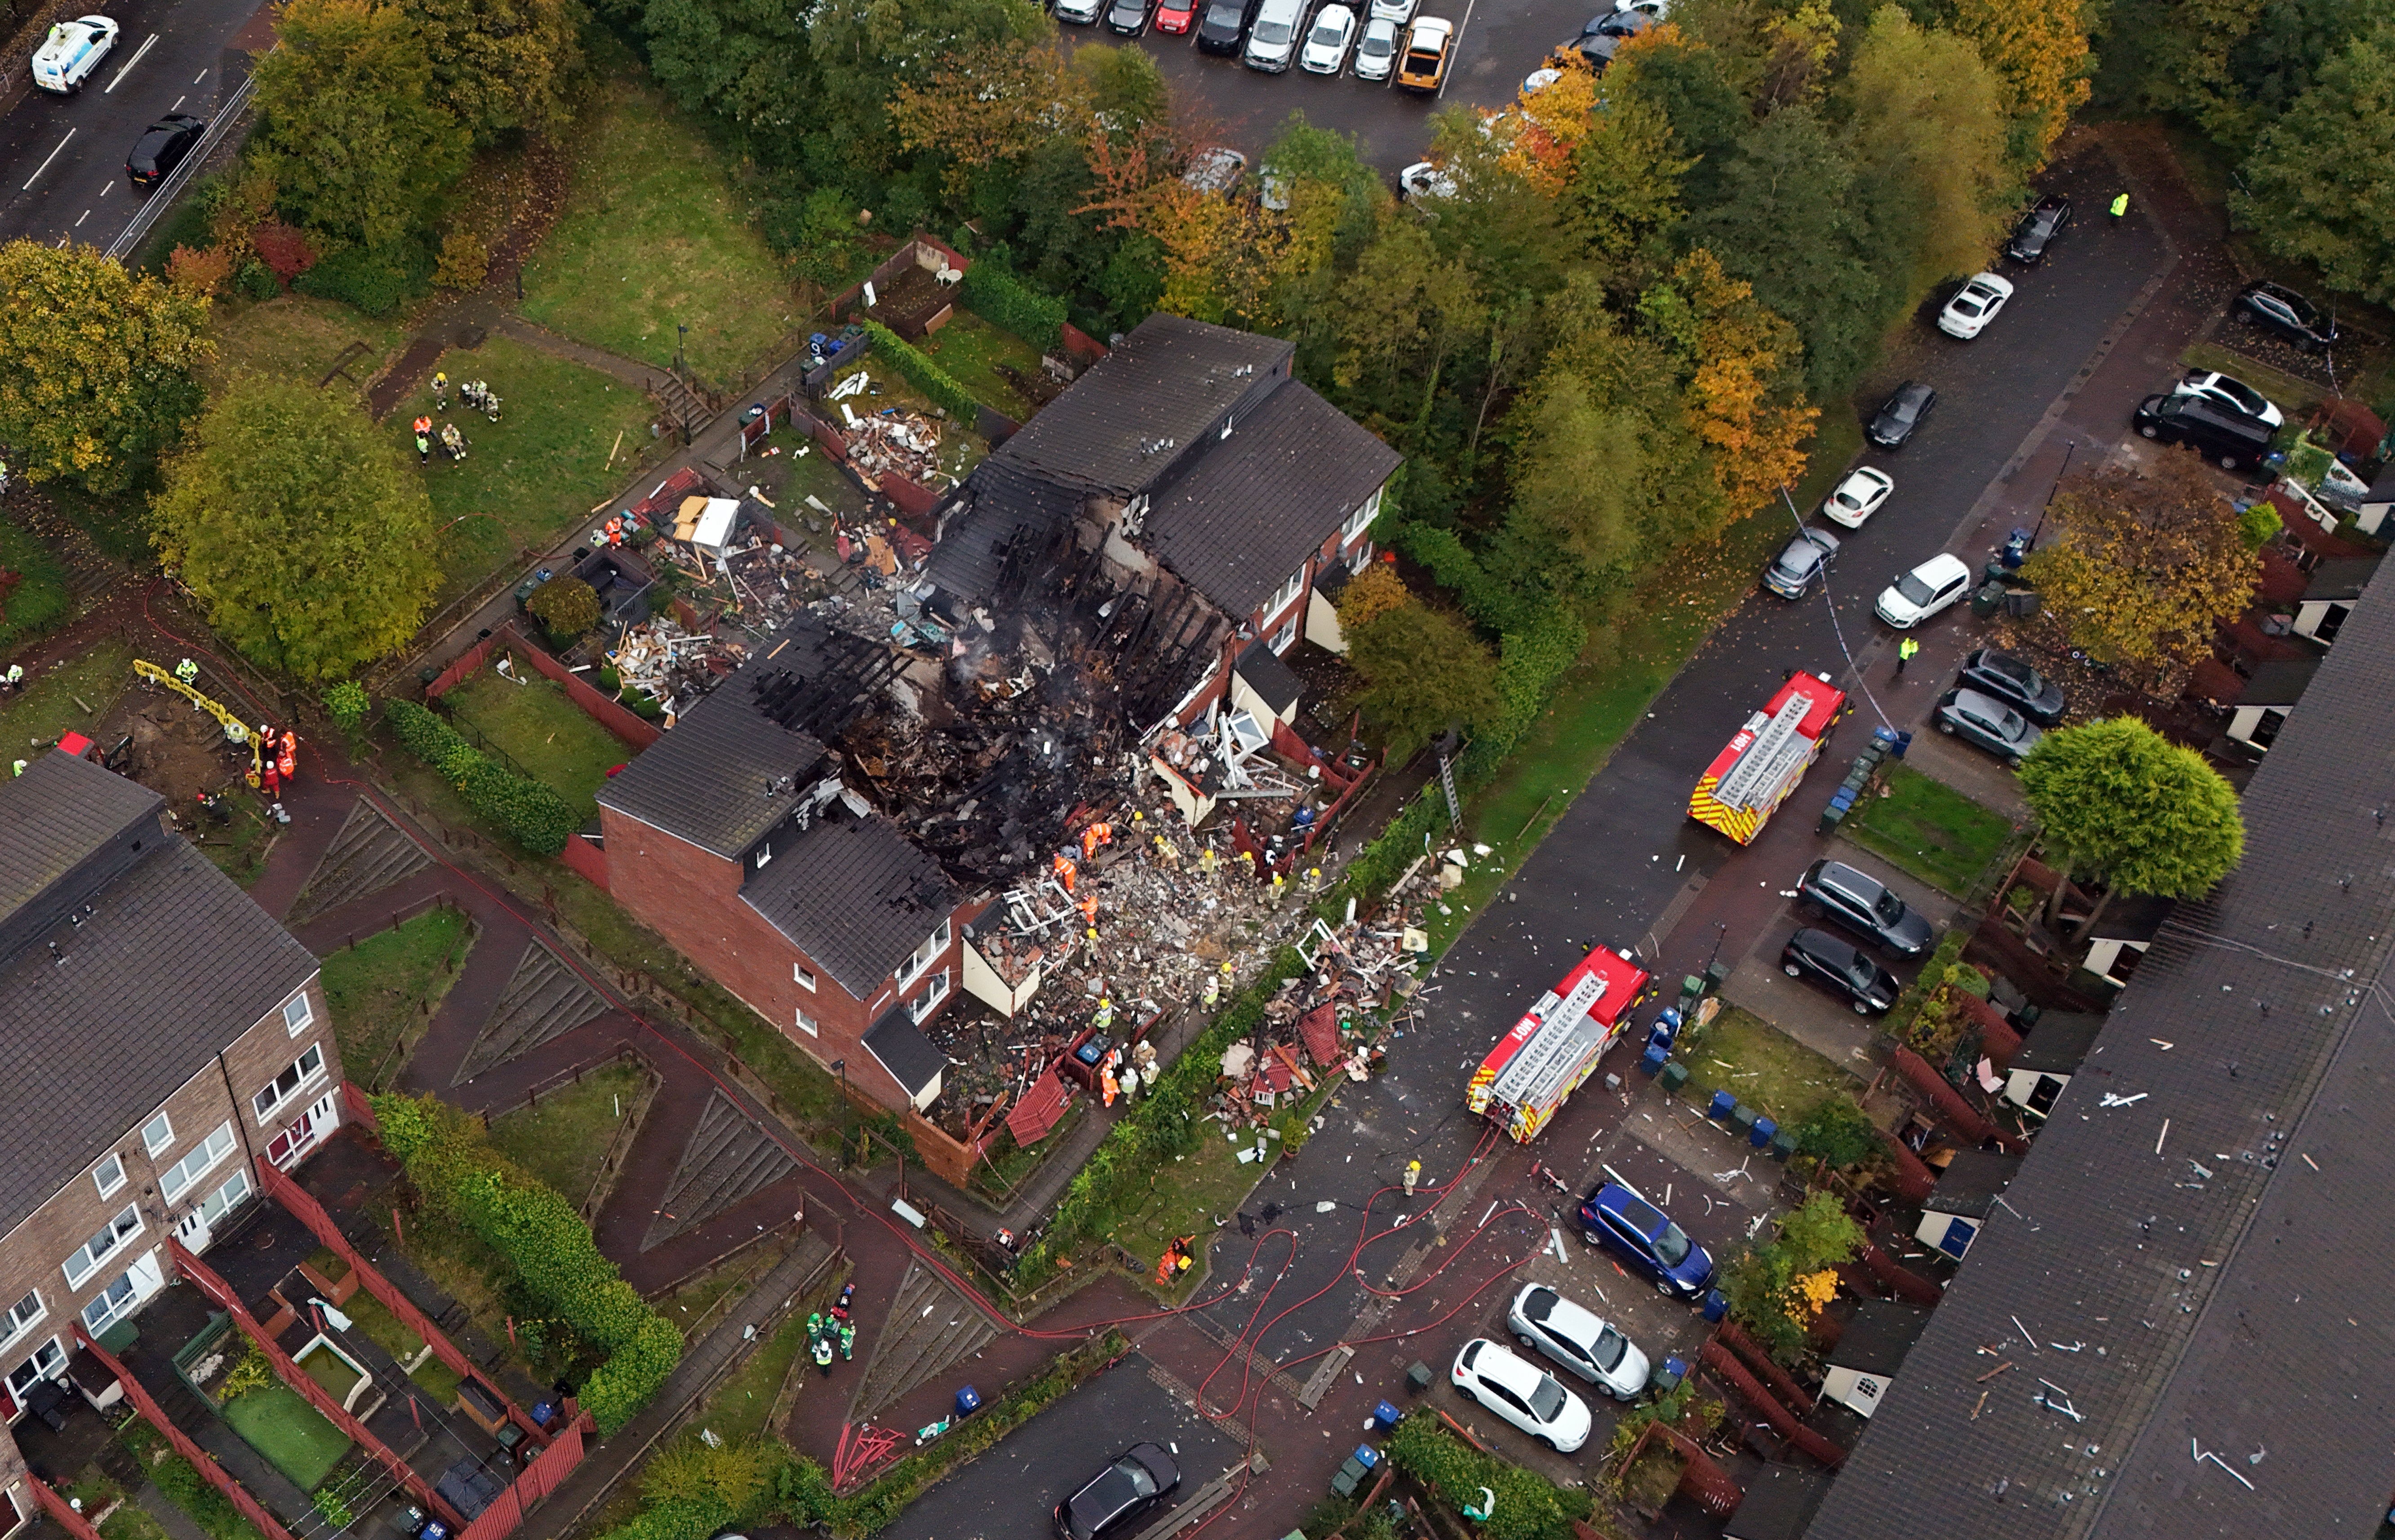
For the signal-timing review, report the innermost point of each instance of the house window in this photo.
(23, 1316)
(197, 1164)
(764, 854)
(109, 1174)
(47, 1363)
(298, 1013)
(1360, 558)
(103, 1245)
(1286, 635)
(307, 1067)
(109, 1303)
(1361, 519)
(157, 1135)
(1286, 595)
(803, 976)
(925, 955)
(808, 1024)
(937, 992)
(222, 1200)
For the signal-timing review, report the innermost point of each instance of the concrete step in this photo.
(368, 854)
(544, 999)
(727, 1157)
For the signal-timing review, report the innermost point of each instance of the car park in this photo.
(1223, 26)
(1176, 17)
(1491, 1374)
(1616, 1218)
(1579, 1340)
(1430, 41)
(72, 52)
(1272, 41)
(1857, 497)
(1396, 12)
(1818, 955)
(1978, 302)
(1327, 41)
(1908, 406)
(2012, 680)
(1936, 585)
(2233, 393)
(1112, 1502)
(1080, 13)
(2229, 439)
(2038, 229)
(163, 146)
(1376, 51)
(1987, 722)
(1864, 906)
(1802, 563)
(2276, 307)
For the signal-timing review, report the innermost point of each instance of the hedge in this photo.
(534, 815)
(378, 279)
(998, 296)
(923, 374)
(453, 1166)
(1528, 1506)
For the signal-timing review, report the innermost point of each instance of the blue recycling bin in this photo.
(1368, 1456)
(1669, 1016)
(1715, 1306)
(1760, 1135)
(1651, 1062)
(1721, 1103)
(968, 1402)
(1386, 1416)
(1658, 1036)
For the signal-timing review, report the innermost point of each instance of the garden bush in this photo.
(257, 280)
(377, 280)
(534, 815)
(566, 608)
(1528, 1506)
(923, 374)
(346, 704)
(1000, 298)
(284, 250)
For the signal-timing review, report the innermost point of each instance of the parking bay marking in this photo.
(128, 68)
(46, 164)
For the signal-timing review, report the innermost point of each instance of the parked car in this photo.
(1818, 955)
(2231, 439)
(1579, 1340)
(1272, 41)
(2038, 229)
(1659, 9)
(1424, 180)
(1987, 722)
(1908, 406)
(1430, 41)
(1176, 17)
(1216, 168)
(2012, 681)
(1522, 1393)
(2235, 394)
(2278, 309)
(1080, 13)
(1921, 593)
(1224, 25)
(1603, 36)
(1116, 1499)
(1616, 1218)
(72, 52)
(1539, 80)
(162, 147)
(1376, 51)
(1130, 17)
(1795, 571)
(1328, 40)
(1865, 905)
(1974, 305)
(1396, 12)
(1857, 497)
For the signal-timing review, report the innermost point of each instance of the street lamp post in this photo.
(681, 336)
(2069, 447)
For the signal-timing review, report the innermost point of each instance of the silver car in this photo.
(1376, 52)
(1583, 1343)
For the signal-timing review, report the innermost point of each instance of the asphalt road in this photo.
(64, 157)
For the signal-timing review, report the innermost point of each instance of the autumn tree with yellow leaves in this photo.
(1740, 358)
(2038, 49)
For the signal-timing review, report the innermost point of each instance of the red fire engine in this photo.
(1750, 778)
(1535, 1068)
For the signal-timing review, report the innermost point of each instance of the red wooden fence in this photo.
(635, 733)
(139, 1396)
(535, 1482)
(464, 667)
(58, 1508)
(360, 1108)
(585, 861)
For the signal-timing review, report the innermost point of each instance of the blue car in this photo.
(1618, 1218)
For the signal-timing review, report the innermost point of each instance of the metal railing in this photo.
(163, 198)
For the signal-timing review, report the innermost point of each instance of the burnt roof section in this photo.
(2344, 578)
(1002, 507)
(1247, 511)
(1972, 1182)
(1879, 1337)
(1131, 415)
(2280, 683)
(1781, 1500)
(2059, 1042)
(2254, 1352)
(1270, 678)
(172, 964)
(911, 1058)
(854, 894)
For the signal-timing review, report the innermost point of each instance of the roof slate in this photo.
(854, 894)
(706, 782)
(2281, 682)
(2058, 1044)
(1781, 1500)
(2340, 579)
(1003, 501)
(1878, 1337)
(61, 811)
(1972, 1182)
(899, 1044)
(1270, 678)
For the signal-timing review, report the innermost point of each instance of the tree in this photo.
(1926, 133)
(1371, 594)
(309, 542)
(2315, 187)
(350, 131)
(2038, 49)
(1739, 357)
(744, 60)
(1775, 1289)
(1427, 672)
(1624, 192)
(1685, 82)
(1544, 129)
(502, 64)
(2122, 804)
(1578, 466)
(2144, 565)
(96, 364)
(994, 105)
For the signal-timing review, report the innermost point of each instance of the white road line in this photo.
(87, 214)
(178, 104)
(201, 76)
(108, 187)
(1458, 46)
(46, 164)
(145, 47)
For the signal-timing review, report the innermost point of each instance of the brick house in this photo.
(181, 1037)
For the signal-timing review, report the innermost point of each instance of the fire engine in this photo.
(1535, 1068)
(1754, 774)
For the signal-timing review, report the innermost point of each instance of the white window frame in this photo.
(803, 976)
(1287, 594)
(117, 1236)
(110, 1304)
(265, 1102)
(1361, 519)
(933, 994)
(109, 1174)
(307, 1014)
(226, 1198)
(927, 953)
(808, 1024)
(1284, 639)
(47, 1361)
(18, 1320)
(158, 1135)
(179, 1177)
(764, 855)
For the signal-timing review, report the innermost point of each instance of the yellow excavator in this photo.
(237, 732)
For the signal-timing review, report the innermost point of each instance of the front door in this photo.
(303, 1136)
(193, 1230)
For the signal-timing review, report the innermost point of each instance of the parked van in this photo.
(72, 51)
(2229, 439)
(1272, 42)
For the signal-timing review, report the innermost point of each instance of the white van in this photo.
(1272, 42)
(72, 52)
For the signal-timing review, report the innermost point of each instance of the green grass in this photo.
(554, 741)
(239, 848)
(1929, 829)
(654, 236)
(530, 477)
(969, 347)
(561, 1138)
(293, 1436)
(297, 337)
(383, 991)
(40, 602)
(1762, 1066)
(374, 1318)
(52, 703)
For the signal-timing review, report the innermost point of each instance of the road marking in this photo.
(87, 214)
(130, 62)
(201, 76)
(108, 187)
(178, 104)
(1458, 53)
(46, 164)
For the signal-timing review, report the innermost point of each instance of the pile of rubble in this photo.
(894, 440)
(672, 666)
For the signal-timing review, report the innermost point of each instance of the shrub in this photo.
(1838, 1134)
(252, 1372)
(923, 373)
(464, 261)
(346, 704)
(256, 281)
(236, 206)
(285, 250)
(1528, 1506)
(1775, 1289)
(532, 814)
(202, 271)
(1000, 298)
(378, 279)
(567, 607)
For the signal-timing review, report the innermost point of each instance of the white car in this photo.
(1327, 43)
(2232, 393)
(1216, 169)
(1579, 1341)
(72, 52)
(1424, 180)
(1857, 497)
(1522, 1393)
(1376, 51)
(1272, 42)
(1659, 9)
(1395, 12)
(1974, 305)
(1539, 80)
(1936, 585)
(1080, 13)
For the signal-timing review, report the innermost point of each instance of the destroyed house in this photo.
(175, 1038)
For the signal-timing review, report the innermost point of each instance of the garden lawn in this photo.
(549, 738)
(1760, 1065)
(40, 602)
(297, 337)
(653, 236)
(293, 1436)
(968, 347)
(383, 991)
(530, 477)
(375, 1319)
(53, 702)
(1929, 829)
(562, 1138)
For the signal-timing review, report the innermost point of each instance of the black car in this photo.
(1818, 955)
(1793, 573)
(1865, 905)
(2228, 438)
(1604, 35)
(2278, 309)
(1224, 25)
(2038, 229)
(162, 148)
(1116, 1498)
(1130, 17)
(1904, 413)
(2012, 681)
